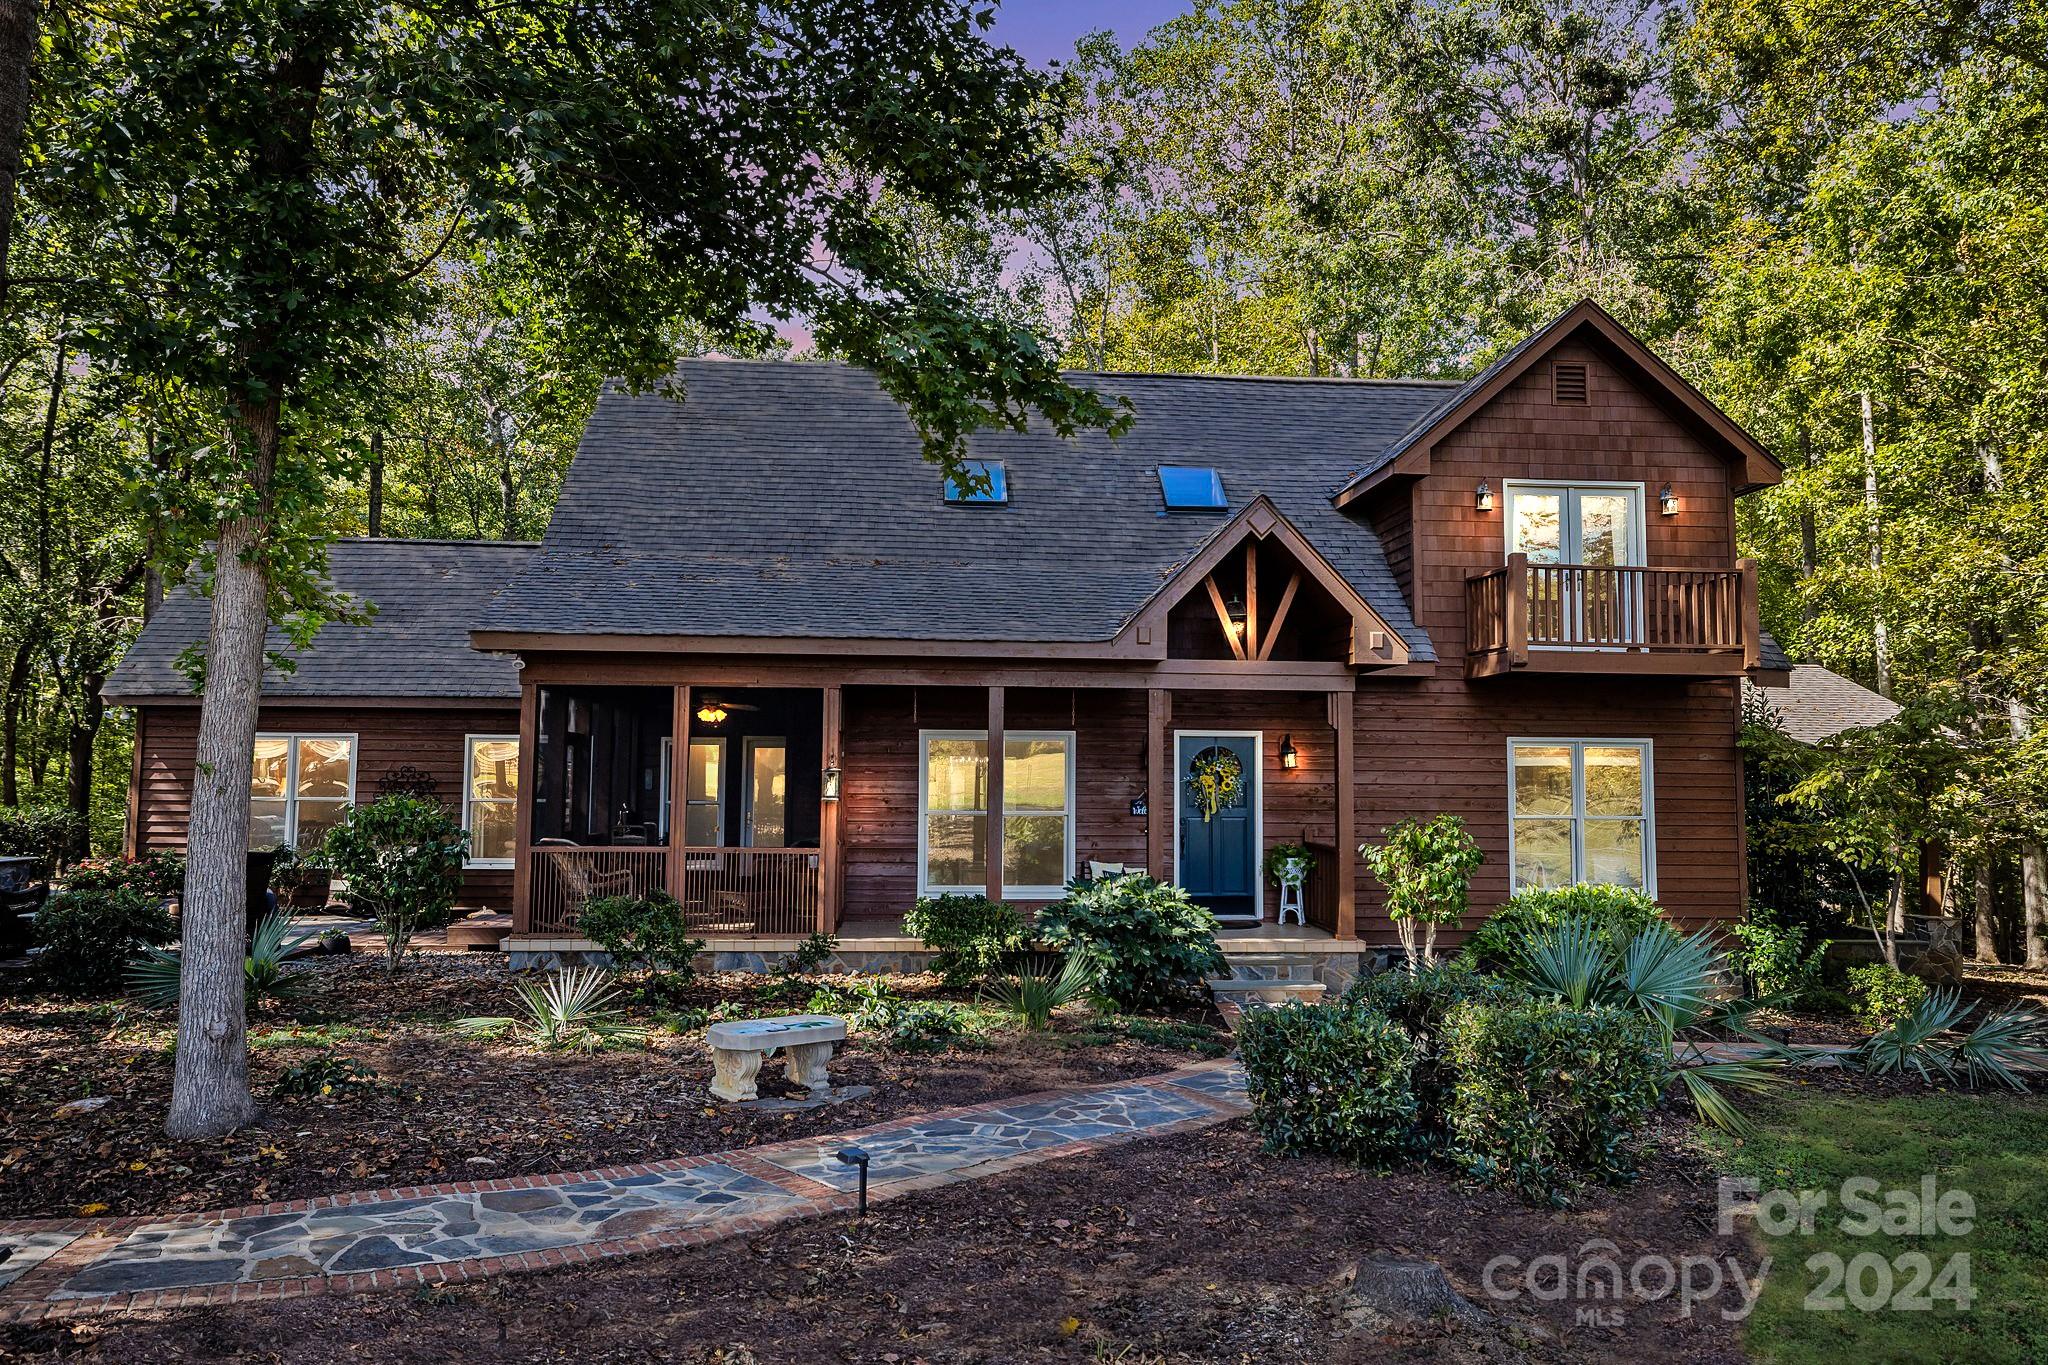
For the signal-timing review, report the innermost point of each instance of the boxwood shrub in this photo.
(1543, 1093)
(1421, 1002)
(1331, 1078)
(88, 937)
(1620, 912)
(969, 935)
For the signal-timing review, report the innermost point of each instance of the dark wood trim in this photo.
(529, 776)
(831, 858)
(1272, 632)
(1159, 790)
(1613, 663)
(801, 647)
(504, 700)
(994, 842)
(131, 831)
(678, 787)
(1755, 466)
(1223, 618)
(1341, 713)
(658, 670)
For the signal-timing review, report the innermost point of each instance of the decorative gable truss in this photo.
(1259, 593)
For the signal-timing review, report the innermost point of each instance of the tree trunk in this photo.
(1986, 913)
(210, 1089)
(18, 24)
(84, 735)
(10, 725)
(376, 484)
(2034, 904)
(1880, 638)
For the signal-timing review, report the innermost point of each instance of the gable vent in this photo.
(1567, 382)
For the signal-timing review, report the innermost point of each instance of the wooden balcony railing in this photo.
(1590, 618)
(730, 891)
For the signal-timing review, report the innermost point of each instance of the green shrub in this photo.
(1545, 1093)
(1032, 997)
(810, 955)
(969, 935)
(88, 937)
(1426, 867)
(1330, 1078)
(1619, 912)
(325, 1076)
(1883, 995)
(1149, 942)
(1421, 1002)
(642, 933)
(156, 875)
(402, 856)
(154, 977)
(44, 831)
(929, 1026)
(1775, 958)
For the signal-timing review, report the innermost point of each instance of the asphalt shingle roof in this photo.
(427, 594)
(790, 500)
(1820, 705)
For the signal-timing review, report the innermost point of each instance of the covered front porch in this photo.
(830, 808)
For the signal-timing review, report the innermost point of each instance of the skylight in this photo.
(994, 484)
(1191, 488)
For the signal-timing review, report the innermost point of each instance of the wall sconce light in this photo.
(1290, 758)
(711, 713)
(1667, 501)
(1482, 496)
(830, 788)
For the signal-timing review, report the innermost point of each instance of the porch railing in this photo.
(1625, 609)
(731, 891)
(1319, 892)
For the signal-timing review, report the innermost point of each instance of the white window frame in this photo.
(1637, 532)
(924, 813)
(1578, 746)
(292, 739)
(471, 800)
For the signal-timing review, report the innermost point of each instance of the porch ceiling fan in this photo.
(711, 711)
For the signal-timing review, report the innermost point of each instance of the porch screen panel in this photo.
(703, 811)
(1037, 813)
(955, 812)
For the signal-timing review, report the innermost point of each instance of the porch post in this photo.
(1159, 792)
(1340, 704)
(678, 788)
(995, 793)
(828, 818)
(522, 825)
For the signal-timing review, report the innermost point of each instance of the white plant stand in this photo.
(1293, 875)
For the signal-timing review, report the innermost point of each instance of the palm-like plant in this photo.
(1032, 997)
(572, 1007)
(153, 977)
(1930, 1042)
(1667, 975)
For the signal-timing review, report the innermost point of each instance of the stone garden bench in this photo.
(738, 1048)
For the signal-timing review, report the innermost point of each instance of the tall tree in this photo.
(264, 167)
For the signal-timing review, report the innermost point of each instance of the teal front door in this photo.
(1218, 855)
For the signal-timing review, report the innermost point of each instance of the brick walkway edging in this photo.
(26, 1299)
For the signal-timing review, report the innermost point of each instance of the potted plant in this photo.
(1287, 865)
(300, 881)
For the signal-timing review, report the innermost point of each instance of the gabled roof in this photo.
(1259, 521)
(1586, 321)
(427, 594)
(1818, 704)
(786, 502)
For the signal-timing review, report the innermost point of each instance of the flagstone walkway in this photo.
(440, 1234)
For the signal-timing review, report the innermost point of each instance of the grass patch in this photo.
(1179, 1035)
(1994, 1147)
(310, 1035)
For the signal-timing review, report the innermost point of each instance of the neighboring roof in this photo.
(789, 501)
(1819, 705)
(427, 594)
(1755, 466)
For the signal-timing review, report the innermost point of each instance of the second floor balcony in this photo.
(1611, 619)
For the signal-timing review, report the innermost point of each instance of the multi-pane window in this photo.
(491, 794)
(299, 788)
(1581, 812)
(1038, 812)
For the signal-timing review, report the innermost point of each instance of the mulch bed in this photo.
(1197, 1247)
(445, 1106)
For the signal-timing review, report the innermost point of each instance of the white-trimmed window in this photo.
(1038, 812)
(490, 795)
(1580, 810)
(299, 788)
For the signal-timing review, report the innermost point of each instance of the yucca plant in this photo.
(1032, 997)
(153, 977)
(572, 1007)
(1667, 975)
